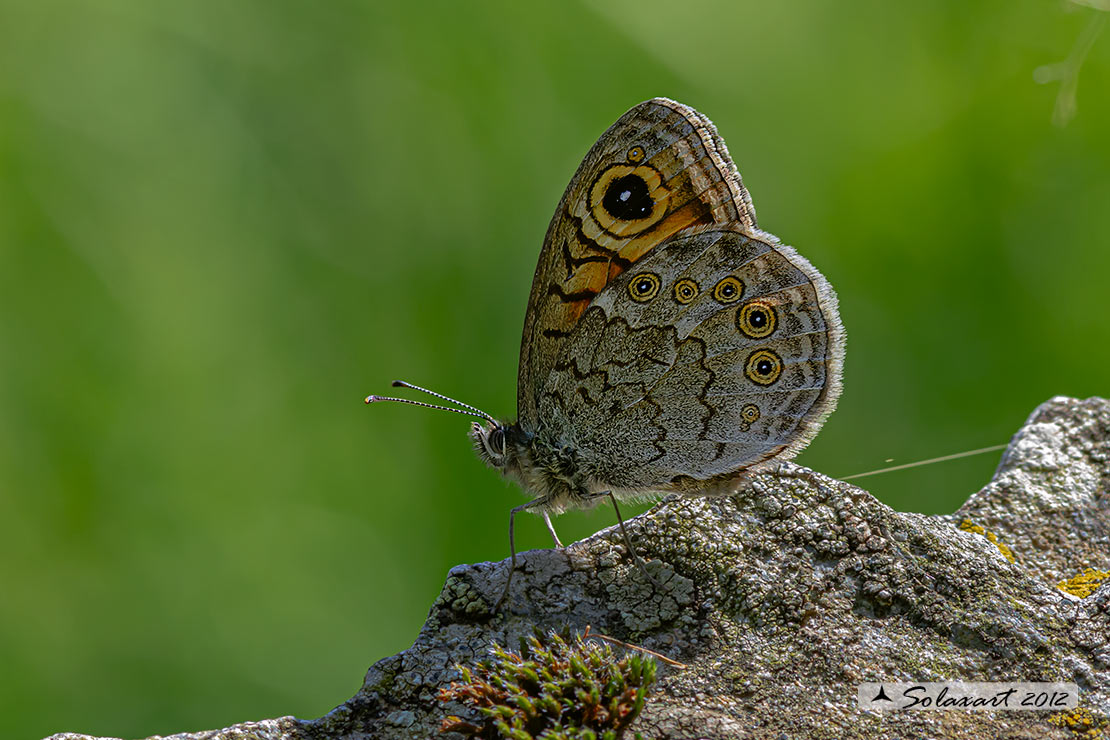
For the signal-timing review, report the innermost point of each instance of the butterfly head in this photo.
(492, 443)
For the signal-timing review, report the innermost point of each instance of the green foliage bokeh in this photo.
(223, 224)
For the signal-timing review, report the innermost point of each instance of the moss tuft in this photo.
(555, 688)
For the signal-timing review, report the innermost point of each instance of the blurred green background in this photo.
(223, 224)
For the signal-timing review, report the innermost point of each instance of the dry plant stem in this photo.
(1067, 71)
(630, 646)
(930, 461)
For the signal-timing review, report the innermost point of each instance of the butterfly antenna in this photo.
(403, 384)
(470, 410)
(376, 399)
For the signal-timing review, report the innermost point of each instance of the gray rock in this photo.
(784, 596)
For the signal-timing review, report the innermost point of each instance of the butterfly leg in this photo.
(551, 529)
(628, 540)
(512, 550)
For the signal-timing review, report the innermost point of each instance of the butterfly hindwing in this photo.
(717, 351)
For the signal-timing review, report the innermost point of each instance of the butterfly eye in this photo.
(728, 290)
(497, 441)
(763, 367)
(750, 413)
(636, 154)
(757, 319)
(685, 290)
(644, 287)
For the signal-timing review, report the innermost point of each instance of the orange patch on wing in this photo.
(702, 206)
(595, 276)
(694, 213)
(614, 270)
(569, 313)
(587, 281)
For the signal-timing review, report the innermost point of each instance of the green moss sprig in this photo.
(555, 688)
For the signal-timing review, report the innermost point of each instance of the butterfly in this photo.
(670, 345)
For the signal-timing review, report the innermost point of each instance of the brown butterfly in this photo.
(669, 344)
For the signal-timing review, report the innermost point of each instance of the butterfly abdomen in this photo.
(552, 471)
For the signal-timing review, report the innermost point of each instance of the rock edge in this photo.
(784, 596)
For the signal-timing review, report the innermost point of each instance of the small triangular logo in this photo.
(881, 696)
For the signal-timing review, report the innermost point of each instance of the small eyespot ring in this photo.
(643, 287)
(756, 319)
(763, 367)
(728, 290)
(636, 154)
(750, 413)
(685, 290)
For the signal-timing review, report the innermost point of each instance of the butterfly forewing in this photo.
(661, 169)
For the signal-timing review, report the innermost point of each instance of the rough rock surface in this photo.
(784, 596)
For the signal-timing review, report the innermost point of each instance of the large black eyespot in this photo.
(756, 319)
(628, 198)
(644, 287)
(763, 367)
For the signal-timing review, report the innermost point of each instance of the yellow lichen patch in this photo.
(1084, 584)
(1081, 722)
(967, 526)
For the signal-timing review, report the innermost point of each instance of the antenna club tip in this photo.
(398, 384)
(371, 399)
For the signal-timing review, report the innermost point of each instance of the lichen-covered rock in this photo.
(784, 596)
(282, 728)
